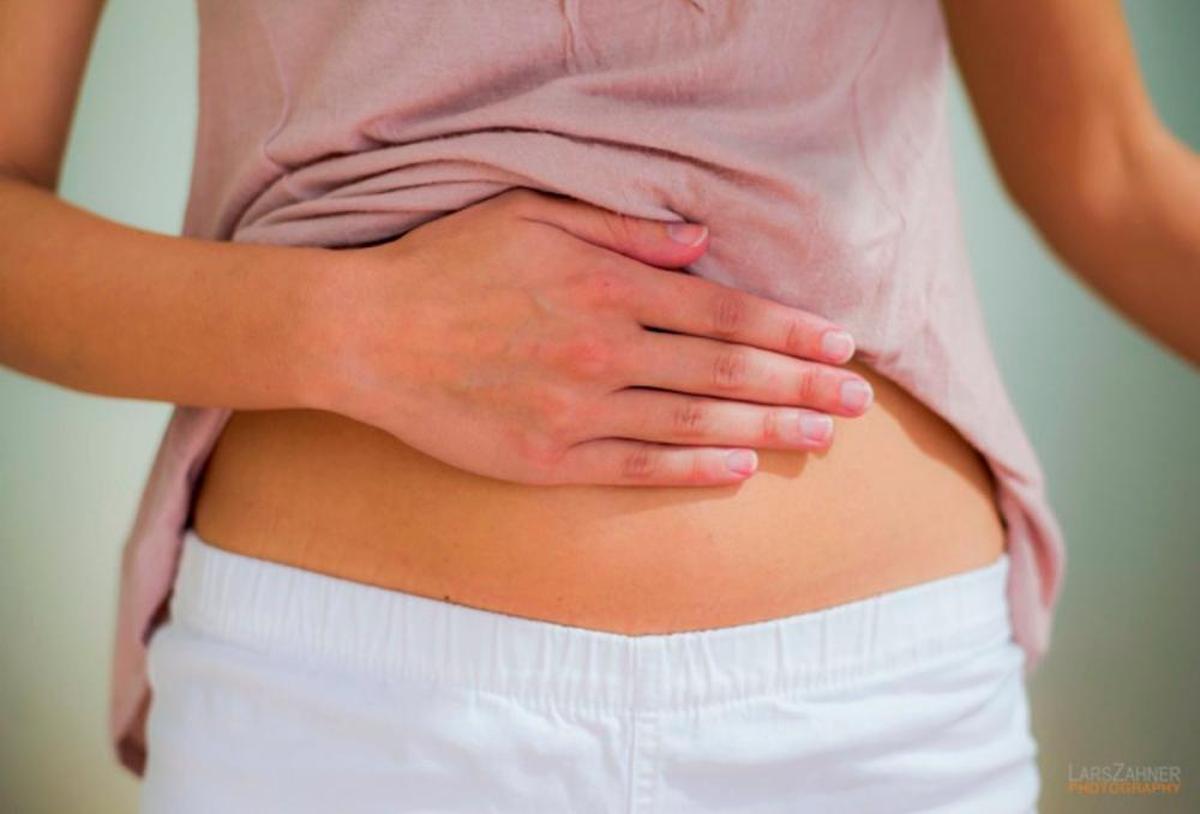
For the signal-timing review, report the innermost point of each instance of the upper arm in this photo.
(43, 50)
(1057, 91)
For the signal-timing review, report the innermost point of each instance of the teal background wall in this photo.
(1112, 415)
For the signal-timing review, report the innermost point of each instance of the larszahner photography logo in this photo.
(1123, 779)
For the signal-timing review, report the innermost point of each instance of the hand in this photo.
(542, 340)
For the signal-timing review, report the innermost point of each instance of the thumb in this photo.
(667, 244)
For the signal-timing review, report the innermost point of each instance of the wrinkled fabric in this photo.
(283, 690)
(811, 137)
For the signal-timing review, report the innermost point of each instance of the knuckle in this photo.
(639, 463)
(538, 450)
(808, 386)
(729, 369)
(559, 414)
(556, 436)
(729, 313)
(588, 356)
(603, 288)
(690, 418)
(772, 425)
(621, 228)
(794, 342)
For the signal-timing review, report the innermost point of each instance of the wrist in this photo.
(312, 366)
(349, 301)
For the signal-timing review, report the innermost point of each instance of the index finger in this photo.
(688, 304)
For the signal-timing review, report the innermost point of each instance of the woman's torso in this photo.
(898, 499)
(809, 137)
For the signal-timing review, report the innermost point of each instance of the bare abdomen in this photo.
(900, 498)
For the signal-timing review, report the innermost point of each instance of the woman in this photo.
(453, 516)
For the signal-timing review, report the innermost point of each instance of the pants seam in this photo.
(643, 780)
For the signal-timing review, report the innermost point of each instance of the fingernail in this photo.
(689, 234)
(816, 428)
(856, 394)
(742, 461)
(838, 346)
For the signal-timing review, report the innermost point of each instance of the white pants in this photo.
(280, 690)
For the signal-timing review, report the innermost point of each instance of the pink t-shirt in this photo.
(811, 137)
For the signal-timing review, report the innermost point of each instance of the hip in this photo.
(276, 688)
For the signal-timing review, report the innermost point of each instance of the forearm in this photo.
(1080, 148)
(99, 307)
(1136, 242)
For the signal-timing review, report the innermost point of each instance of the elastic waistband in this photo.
(349, 626)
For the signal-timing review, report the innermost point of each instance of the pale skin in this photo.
(97, 306)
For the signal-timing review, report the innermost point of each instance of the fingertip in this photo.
(837, 346)
(690, 235)
(742, 462)
(816, 429)
(856, 395)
